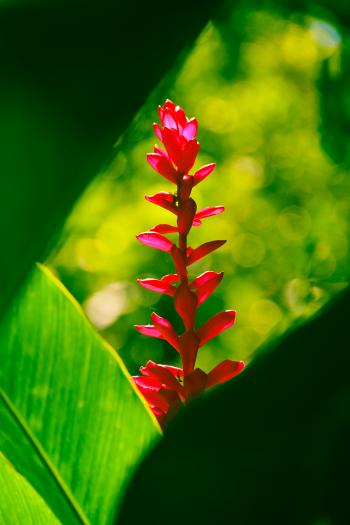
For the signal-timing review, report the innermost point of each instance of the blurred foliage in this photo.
(252, 81)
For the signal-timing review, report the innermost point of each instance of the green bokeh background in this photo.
(253, 80)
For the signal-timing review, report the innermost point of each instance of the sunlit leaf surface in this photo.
(70, 419)
(19, 503)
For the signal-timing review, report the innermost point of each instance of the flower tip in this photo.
(157, 319)
(231, 314)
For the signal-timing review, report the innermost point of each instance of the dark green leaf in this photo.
(270, 446)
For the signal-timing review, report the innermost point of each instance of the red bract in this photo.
(167, 388)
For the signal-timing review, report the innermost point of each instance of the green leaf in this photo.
(19, 503)
(269, 446)
(71, 420)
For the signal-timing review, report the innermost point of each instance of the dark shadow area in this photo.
(268, 447)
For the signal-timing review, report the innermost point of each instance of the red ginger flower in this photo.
(164, 387)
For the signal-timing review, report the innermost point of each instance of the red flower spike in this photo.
(216, 325)
(160, 151)
(180, 262)
(174, 370)
(169, 121)
(189, 344)
(169, 104)
(209, 212)
(204, 278)
(203, 173)
(203, 250)
(188, 156)
(158, 131)
(163, 166)
(185, 187)
(157, 285)
(224, 371)
(170, 278)
(164, 200)
(166, 330)
(164, 228)
(159, 375)
(147, 382)
(148, 329)
(186, 213)
(180, 116)
(172, 144)
(155, 399)
(195, 383)
(185, 305)
(155, 240)
(206, 289)
(190, 130)
(167, 387)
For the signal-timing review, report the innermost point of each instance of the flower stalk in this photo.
(167, 388)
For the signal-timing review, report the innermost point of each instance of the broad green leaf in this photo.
(269, 446)
(71, 421)
(19, 503)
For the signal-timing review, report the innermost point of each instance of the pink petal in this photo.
(160, 151)
(206, 289)
(162, 166)
(188, 156)
(158, 131)
(172, 145)
(203, 250)
(161, 112)
(204, 278)
(202, 173)
(148, 329)
(163, 199)
(166, 329)
(164, 228)
(156, 285)
(174, 370)
(224, 371)
(155, 240)
(170, 278)
(215, 325)
(147, 382)
(169, 121)
(190, 130)
(163, 377)
(209, 212)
